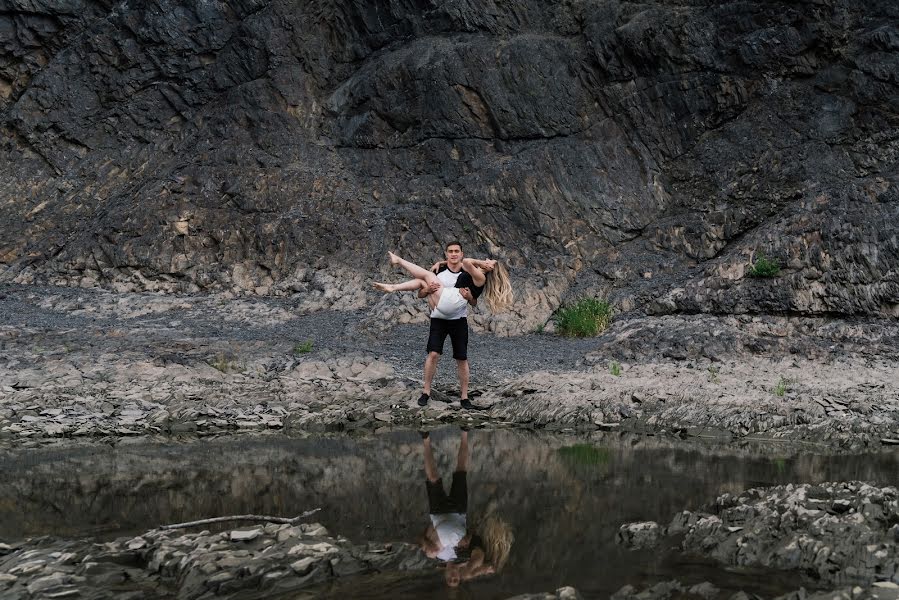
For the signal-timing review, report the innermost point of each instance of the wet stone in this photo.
(639, 535)
(303, 566)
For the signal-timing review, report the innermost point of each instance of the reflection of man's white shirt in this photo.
(450, 528)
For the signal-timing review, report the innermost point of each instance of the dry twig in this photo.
(242, 518)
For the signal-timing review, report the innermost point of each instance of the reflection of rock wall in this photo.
(647, 149)
(373, 489)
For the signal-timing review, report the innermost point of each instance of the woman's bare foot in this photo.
(394, 259)
(384, 287)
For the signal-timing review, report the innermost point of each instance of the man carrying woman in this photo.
(448, 294)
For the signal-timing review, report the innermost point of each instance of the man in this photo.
(450, 274)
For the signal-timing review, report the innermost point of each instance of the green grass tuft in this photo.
(783, 385)
(764, 267)
(224, 364)
(586, 317)
(303, 347)
(615, 368)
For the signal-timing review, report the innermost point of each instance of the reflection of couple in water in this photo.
(464, 552)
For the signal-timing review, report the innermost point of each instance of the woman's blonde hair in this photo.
(498, 289)
(498, 538)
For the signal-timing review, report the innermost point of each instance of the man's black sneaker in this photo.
(423, 400)
(467, 405)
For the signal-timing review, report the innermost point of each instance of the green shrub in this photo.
(713, 374)
(303, 347)
(764, 267)
(615, 368)
(782, 386)
(586, 317)
(224, 364)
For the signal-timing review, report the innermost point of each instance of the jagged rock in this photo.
(836, 531)
(191, 565)
(268, 148)
(639, 535)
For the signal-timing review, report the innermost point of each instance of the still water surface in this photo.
(564, 497)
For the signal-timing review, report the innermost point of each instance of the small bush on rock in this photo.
(224, 364)
(586, 317)
(764, 267)
(303, 347)
(781, 388)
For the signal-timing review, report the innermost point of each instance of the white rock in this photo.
(137, 543)
(242, 535)
(303, 566)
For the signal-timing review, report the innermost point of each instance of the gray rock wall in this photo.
(649, 151)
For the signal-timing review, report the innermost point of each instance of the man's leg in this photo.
(430, 370)
(458, 495)
(436, 338)
(459, 337)
(463, 370)
(430, 463)
(462, 457)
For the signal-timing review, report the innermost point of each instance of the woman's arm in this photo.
(472, 267)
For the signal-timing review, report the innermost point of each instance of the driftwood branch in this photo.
(265, 518)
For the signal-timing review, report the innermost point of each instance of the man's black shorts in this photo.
(457, 329)
(440, 503)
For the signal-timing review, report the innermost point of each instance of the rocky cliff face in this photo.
(649, 151)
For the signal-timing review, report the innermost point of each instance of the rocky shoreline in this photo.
(835, 534)
(100, 365)
(94, 363)
(268, 561)
(838, 534)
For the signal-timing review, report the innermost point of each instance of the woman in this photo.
(446, 302)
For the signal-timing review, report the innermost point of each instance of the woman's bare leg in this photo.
(413, 269)
(407, 286)
(420, 273)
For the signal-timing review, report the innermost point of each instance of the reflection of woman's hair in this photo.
(498, 290)
(497, 537)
